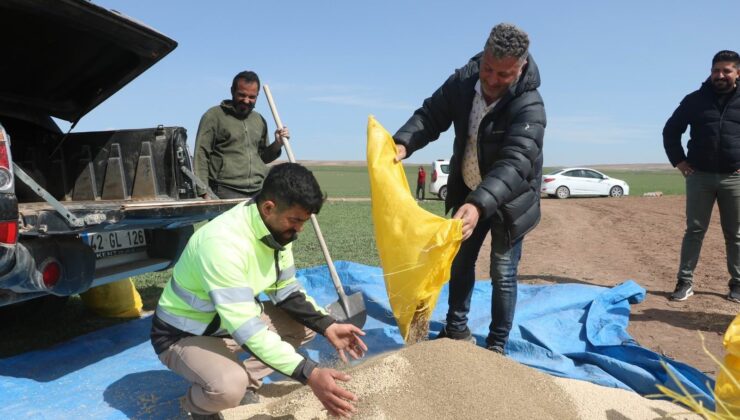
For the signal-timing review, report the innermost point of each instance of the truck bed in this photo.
(42, 218)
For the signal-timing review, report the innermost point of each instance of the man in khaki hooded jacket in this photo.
(231, 148)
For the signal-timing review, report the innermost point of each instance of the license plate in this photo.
(107, 244)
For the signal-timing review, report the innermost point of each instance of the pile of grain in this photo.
(445, 379)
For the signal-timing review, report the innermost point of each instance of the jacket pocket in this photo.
(521, 215)
(489, 145)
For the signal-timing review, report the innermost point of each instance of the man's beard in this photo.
(243, 110)
(283, 238)
(497, 92)
(721, 86)
(500, 90)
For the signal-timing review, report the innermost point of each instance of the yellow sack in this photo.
(727, 388)
(416, 247)
(114, 300)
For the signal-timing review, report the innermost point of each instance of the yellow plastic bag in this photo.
(114, 300)
(726, 388)
(416, 247)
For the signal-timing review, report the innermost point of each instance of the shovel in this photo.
(348, 309)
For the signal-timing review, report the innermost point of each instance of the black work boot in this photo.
(464, 335)
(496, 348)
(734, 295)
(196, 416)
(250, 397)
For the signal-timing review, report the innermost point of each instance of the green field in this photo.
(347, 228)
(667, 181)
(352, 181)
(348, 231)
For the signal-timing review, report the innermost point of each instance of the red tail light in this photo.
(51, 272)
(4, 159)
(434, 176)
(9, 232)
(546, 180)
(6, 170)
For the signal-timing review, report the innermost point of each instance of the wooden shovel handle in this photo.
(314, 221)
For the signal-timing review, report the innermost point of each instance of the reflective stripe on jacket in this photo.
(226, 264)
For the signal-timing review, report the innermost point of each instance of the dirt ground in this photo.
(605, 241)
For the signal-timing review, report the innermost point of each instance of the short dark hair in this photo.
(247, 76)
(727, 55)
(507, 40)
(290, 184)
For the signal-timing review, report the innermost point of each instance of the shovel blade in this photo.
(356, 313)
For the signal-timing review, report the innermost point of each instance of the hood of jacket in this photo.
(228, 106)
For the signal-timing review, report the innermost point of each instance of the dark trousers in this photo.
(419, 189)
(703, 189)
(504, 264)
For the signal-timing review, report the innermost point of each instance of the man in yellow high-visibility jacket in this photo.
(209, 312)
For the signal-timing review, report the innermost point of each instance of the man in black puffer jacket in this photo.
(711, 169)
(495, 169)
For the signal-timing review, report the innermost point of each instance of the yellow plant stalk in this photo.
(723, 411)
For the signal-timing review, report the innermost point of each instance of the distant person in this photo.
(209, 313)
(231, 148)
(496, 166)
(421, 178)
(711, 168)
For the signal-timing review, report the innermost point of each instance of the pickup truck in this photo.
(83, 209)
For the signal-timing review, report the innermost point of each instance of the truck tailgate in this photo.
(41, 218)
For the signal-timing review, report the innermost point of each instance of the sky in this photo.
(612, 71)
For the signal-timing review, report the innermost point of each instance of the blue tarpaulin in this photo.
(575, 331)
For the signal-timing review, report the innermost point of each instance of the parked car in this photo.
(440, 172)
(568, 182)
(78, 209)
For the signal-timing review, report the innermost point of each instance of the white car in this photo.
(567, 182)
(440, 172)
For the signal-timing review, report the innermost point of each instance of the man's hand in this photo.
(205, 196)
(400, 153)
(280, 134)
(469, 214)
(685, 168)
(345, 337)
(335, 399)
